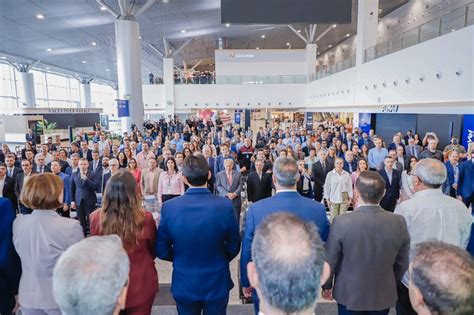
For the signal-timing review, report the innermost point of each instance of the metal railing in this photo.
(259, 79)
(450, 22)
(339, 66)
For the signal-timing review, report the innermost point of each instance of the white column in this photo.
(86, 95)
(168, 80)
(129, 75)
(367, 21)
(27, 95)
(310, 61)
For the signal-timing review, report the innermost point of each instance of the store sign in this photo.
(467, 135)
(70, 110)
(390, 109)
(123, 108)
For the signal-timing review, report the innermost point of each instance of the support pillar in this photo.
(85, 90)
(367, 22)
(168, 80)
(129, 71)
(310, 61)
(27, 95)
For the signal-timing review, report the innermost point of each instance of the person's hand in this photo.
(73, 205)
(17, 305)
(455, 186)
(229, 195)
(83, 176)
(66, 207)
(243, 169)
(327, 295)
(252, 159)
(247, 292)
(459, 197)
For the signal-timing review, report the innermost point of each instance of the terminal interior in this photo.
(83, 69)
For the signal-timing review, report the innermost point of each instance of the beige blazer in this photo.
(145, 184)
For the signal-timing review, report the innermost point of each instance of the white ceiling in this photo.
(71, 26)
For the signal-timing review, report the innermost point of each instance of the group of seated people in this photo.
(199, 177)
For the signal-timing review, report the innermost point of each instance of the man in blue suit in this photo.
(285, 177)
(198, 232)
(465, 190)
(452, 167)
(211, 161)
(10, 265)
(219, 163)
(56, 169)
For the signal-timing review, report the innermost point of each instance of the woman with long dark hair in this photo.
(122, 158)
(170, 184)
(122, 214)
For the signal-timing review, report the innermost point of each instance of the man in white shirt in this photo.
(45, 153)
(103, 143)
(431, 215)
(338, 189)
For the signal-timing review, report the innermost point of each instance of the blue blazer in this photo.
(219, 163)
(305, 208)
(353, 164)
(198, 232)
(466, 179)
(84, 190)
(10, 265)
(450, 176)
(67, 187)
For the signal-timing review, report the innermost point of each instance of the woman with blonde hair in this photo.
(122, 214)
(40, 238)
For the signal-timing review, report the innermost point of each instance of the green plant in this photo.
(45, 126)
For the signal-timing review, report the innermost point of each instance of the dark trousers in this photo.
(256, 302)
(83, 212)
(403, 304)
(388, 203)
(318, 193)
(212, 307)
(64, 214)
(168, 197)
(342, 310)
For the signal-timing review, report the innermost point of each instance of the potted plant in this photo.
(48, 129)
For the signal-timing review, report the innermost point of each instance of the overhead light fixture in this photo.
(334, 25)
(347, 35)
(287, 44)
(40, 16)
(318, 53)
(183, 31)
(227, 24)
(453, 30)
(263, 36)
(102, 8)
(107, 70)
(139, 37)
(49, 49)
(47, 68)
(257, 48)
(83, 61)
(330, 46)
(3, 57)
(94, 44)
(299, 31)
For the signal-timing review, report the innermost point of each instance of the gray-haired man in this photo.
(91, 277)
(285, 250)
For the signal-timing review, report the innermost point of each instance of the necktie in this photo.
(10, 172)
(95, 165)
(41, 169)
(324, 166)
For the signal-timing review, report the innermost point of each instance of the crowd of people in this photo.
(198, 193)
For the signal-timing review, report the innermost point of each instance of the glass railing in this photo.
(450, 22)
(258, 79)
(331, 69)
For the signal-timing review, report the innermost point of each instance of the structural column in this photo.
(310, 61)
(27, 94)
(367, 22)
(129, 71)
(85, 90)
(168, 80)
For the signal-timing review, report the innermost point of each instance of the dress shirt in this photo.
(40, 169)
(142, 159)
(2, 183)
(306, 181)
(389, 175)
(401, 160)
(376, 157)
(336, 184)
(431, 215)
(95, 164)
(170, 184)
(10, 171)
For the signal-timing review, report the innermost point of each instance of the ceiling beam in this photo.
(144, 7)
(167, 48)
(156, 50)
(186, 43)
(299, 35)
(312, 33)
(324, 33)
(123, 7)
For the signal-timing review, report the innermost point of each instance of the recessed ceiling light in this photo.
(453, 30)
(102, 8)
(94, 44)
(139, 37)
(334, 25)
(83, 61)
(330, 46)
(318, 53)
(257, 48)
(227, 24)
(3, 57)
(183, 31)
(263, 36)
(347, 35)
(107, 70)
(47, 68)
(40, 16)
(299, 31)
(287, 44)
(49, 49)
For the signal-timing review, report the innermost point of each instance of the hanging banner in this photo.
(123, 108)
(309, 120)
(364, 122)
(467, 135)
(237, 117)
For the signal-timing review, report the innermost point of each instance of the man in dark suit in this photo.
(83, 198)
(225, 154)
(27, 171)
(201, 275)
(285, 176)
(96, 162)
(85, 152)
(413, 149)
(229, 185)
(30, 137)
(392, 179)
(318, 174)
(40, 165)
(401, 158)
(350, 164)
(103, 175)
(367, 266)
(465, 190)
(7, 185)
(259, 184)
(12, 169)
(452, 169)
(207, 152)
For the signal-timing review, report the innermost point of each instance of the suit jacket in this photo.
(16, 170)
(259, 189)
(67, 187)
(368, 252)
(353, 165)
(9, 191)
(102, 179)
(211, 162)
(447, 185)
(466, 179)
(392, 190)
(318, 175)
(40, 238)
(46, 169)
(88, 155)
(415, 148)
(289, 201)
(145, 184)
(223, 187)
(84, 190)
(219, 164)
(198, 232)
(91, 165)
(10, 265)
